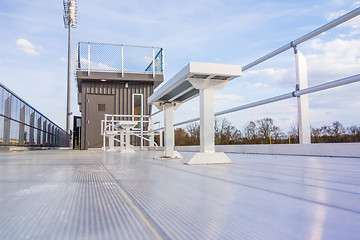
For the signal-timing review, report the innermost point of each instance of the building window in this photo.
(101, 107)
(137, 107)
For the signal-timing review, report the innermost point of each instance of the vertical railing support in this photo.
(38, 139)
(89, 65)
(22, 126)
(153, 62)
(31, 130)
(151, 128)
(122, 61)
(303, 100)
(7, 113)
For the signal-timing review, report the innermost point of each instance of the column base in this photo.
(209, 158)
(161, 155)
(127, 151)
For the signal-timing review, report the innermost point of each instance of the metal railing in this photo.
(23, 125)
(119, 58)
(143, 130)
(293, 44)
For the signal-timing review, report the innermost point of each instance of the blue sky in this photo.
(33, 50)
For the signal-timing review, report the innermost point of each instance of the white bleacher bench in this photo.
(194, 79)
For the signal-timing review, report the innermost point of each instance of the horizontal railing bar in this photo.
(155, 113)
(306, 37)
(118, 44)
(321, 87)
(328, 85)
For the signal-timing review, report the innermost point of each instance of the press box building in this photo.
(113, 79)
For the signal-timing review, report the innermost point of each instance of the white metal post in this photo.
(169, 129)
(151, 127)
(142, 133)
(161, 143)
(302, 101)
(122, 61)
(153, 63)
(127, 140)
(89, 59)
(207, 120)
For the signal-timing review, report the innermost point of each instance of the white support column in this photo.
(302, 101)
(111, 143)
(169, 131)
(207, 121)
(127, 140)
(207, 154)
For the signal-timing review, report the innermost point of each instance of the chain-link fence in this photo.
(103, 57)
(22, 125)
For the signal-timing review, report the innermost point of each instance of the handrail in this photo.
(296, 93)
(286, 47)
(306, 37)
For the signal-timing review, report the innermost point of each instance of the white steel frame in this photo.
(113, 126)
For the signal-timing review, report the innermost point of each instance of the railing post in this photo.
(162, 62)
(7, 113)
(89, 65)
(44, 142)
(142, 132)
(38, 140)
(122, 61)
(31, 130)
(153, 63)
(151, 127)
(302, 101)
(21, 125)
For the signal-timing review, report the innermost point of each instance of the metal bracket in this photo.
(294, 47)
(297, 88)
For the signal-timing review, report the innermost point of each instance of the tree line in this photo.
(265, 131)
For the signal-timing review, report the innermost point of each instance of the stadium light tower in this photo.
(69, 22)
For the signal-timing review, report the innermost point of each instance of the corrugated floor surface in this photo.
(65, 194)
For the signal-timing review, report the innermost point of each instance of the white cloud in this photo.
(95, 65)
(62, 59)
(354, 23)
(272, 73)
(256, 85)
(26, 47)
(356, 4)
(333, 59)
(225, 101)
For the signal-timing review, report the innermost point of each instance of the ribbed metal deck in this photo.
(95, 195)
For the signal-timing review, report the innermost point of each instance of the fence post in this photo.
(31, 130)
(39, 131)
(303, 100)
(21, 125)
(151, 127)
(122, 61)
(7, 113)
(153, 62)
(89, 65)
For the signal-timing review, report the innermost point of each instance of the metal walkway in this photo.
(68, 194)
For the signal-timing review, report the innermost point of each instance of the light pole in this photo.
(69, 22)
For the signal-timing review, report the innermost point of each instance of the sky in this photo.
(33, 51)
